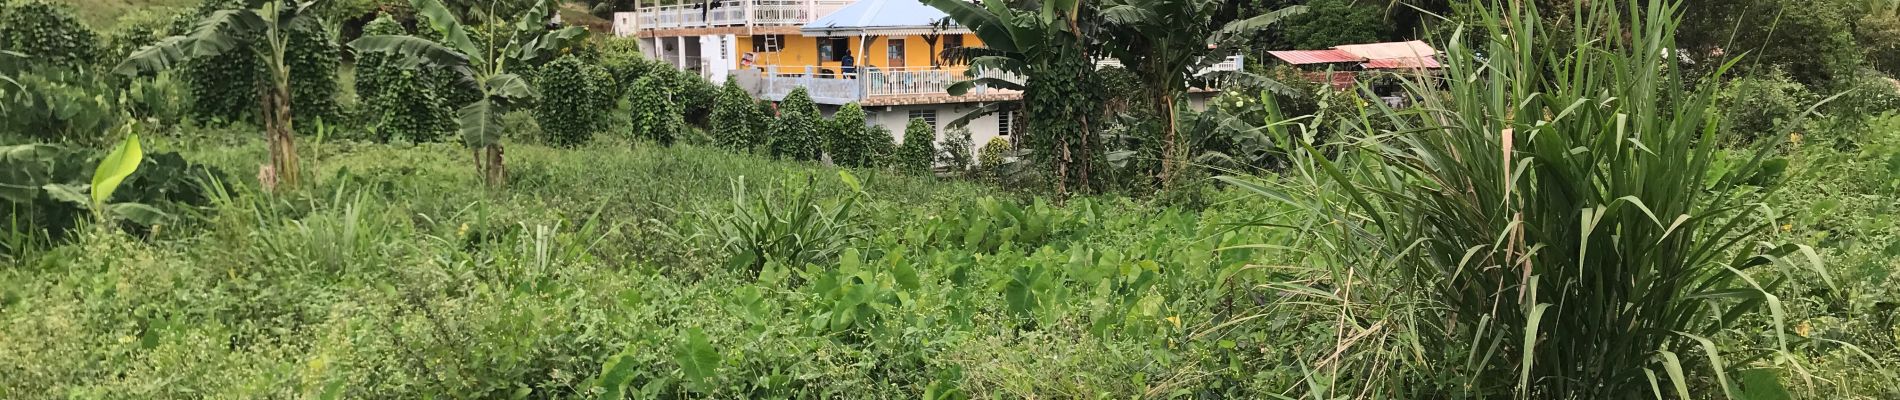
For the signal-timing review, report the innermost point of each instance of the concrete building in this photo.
(889, 56)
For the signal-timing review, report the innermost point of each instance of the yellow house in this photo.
(893, 57)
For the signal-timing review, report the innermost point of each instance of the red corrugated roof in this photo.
(1379, 51)
(1401, 63)
(1301, 57)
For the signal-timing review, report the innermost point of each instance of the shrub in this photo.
(1753, 107)
(796, 135)
(792, 230)
(401, 104)
(569, 110)
(163, 98)
(135, 30)
(993, 155)
(31, 209)
(226, 86)
(1863, 95)
(49, 33)
(732, 123)
(622, 59)
(655, 116)
(956, 149)
(847, 139)
(60, 105)
(881, 146)
(919, 149)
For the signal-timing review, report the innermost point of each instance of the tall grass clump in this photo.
(1555, 218)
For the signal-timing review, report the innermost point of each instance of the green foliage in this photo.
(61, 105)
(850, 142)
(312, 57)
(797, 134)
(402, 102)
(1507, 197)
(137, 29)
(732, 119)
(569, 110)
(48, 32)
(919, 151)
(790, 227)
(163, 99)
(695, 96)
(955, 152)
(43, 190)
(1756, 107)
(656, 115)
(1329, 23)
(1813, 41)
(990, 159)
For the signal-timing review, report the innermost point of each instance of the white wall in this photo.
(896, 118)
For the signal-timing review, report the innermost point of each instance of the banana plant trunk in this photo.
(488, 162)
(1168, 139)
(277, 127)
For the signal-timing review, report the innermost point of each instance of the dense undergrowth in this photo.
(397, 275)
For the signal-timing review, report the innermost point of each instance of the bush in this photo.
(732, 118)
(993, 155)
(919, 149)
(569, 110)
(1864, 95)
(61, 105)
(1754, 107)
(956, 149)
(163, 98)
(847, 139)
(49, 33)
(312, 58)
(136, 30)
(226, 86)
(401, 104)
(164, 180)
(656, 116)
(796, 135)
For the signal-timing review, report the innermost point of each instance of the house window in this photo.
(952, 50)
(833, 48)
(929, 117)
(1005, 123)
(768, 43)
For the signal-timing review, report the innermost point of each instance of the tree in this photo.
(1047, 46)
(732, 123)
(269, 22)
(1329, 23)
(918, 152)
(1167, 43)
(796, 135)
(484, 68)
(955, 151)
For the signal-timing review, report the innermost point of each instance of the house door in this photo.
(896, 51)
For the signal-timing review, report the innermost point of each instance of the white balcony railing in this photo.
(829, 85)
(1231, 63)
(730, 13)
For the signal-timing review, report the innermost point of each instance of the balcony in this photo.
(729, 13)
(869, 85)
(887, 86)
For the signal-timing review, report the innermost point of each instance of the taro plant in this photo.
(225, 30)
(1546, 223)
(488, 67)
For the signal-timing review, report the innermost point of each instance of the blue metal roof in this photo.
(877, 17)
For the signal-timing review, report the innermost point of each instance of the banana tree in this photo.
(1170, 43)
(483, 66)
(1048, 44)
(269, 22)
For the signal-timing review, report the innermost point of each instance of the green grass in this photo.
(104, 14)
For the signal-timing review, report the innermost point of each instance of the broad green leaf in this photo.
(696, 357)
(850, 180)
(138, 213)
(616, 374)
(444, 22)
(68, 193)
(211, 36)
(412, 52)
(121, 163)
(480, 123)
